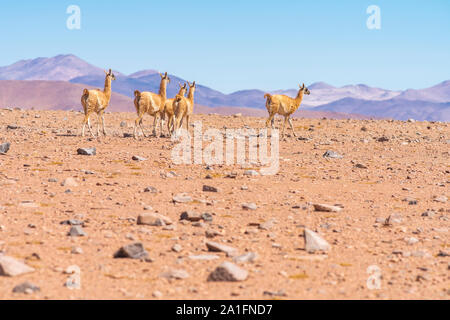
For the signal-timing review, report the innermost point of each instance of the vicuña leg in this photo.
(292, 127)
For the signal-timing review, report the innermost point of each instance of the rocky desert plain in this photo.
(377, 209)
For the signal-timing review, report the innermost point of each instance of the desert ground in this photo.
(392, 194)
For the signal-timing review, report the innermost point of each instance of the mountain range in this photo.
(56, 82)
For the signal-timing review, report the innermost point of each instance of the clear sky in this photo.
(233, 45)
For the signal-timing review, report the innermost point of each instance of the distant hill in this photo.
(429, 103)
(394, 108)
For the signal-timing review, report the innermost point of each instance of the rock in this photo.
(204, 257)
(69, 182)
(4, 147)
(210, 189)
(151, 190)
(157, 294)
(175, 274)
(228, 271)
(182, 198)
(138, 158)
(207, 217)
(252, 173)
(72, 222)
(12, 127)
(11, 267)
(77, 250)
(77, 231)
(442, 199)
(153, 219)
(123, 124)
(360, 166)
(266, 225)
(280, 293)
(248, 257)
(332, 154)
(132, 251)
(218, 247)
(249, 206)
(87, 151)
(383, 139)
(411, 240)
(313, 242)
(26, 287)
(177, 248)
(212, 233)
(190, 216)
(326, 208)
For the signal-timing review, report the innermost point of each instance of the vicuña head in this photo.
(304, 89)
(109, 74)
(165, 78)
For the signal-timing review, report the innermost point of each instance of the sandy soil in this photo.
(400, 178)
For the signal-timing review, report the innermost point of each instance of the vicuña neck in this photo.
(191, 96)
(163, 89)
(299, 97)
(107, 89)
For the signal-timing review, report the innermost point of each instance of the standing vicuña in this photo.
(184, 107)
(151, 103)
(97, 101)
(169, 110)
(285, 106)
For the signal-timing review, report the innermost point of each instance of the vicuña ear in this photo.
(193, 84)
(105, 72)
(161, 75)
(189, 84)
(303, 85)
(110, 71)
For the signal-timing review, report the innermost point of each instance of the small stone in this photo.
(204, 257)
(87, 151)
(132, 251)
(12, 127)
(207, 217)
(248, 257)
(218, 247)
(383, 139)
(442, 199)
(313, 242)
(11, 267)
(72, 222)
(326, 208)
(77, 231)
(332, 154)
(411, 240)
(26, 287)
(280, 293)
(69, 182)
(153, 219)
(360, 166)
(212, 233)
(266, 225)
(123, 124)
(157, 294)
(251, 173)
(182, 198)
(151, 190)
(175, 274)
(4, 147)
(177, 248)
(191, 216)
(228, 271)
(249, 206)
(77, 250)
(210, 189)
(138, 158)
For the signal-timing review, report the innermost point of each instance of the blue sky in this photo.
(234, 45)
